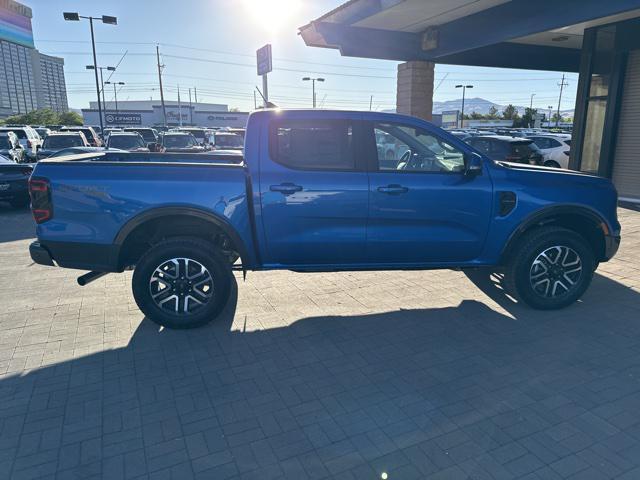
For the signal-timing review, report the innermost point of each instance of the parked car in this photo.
(507, 149)
(554, 148)
(10, 147)
(198, 133)
(28, 138)
(90, 134)
(313, 195)
(13, 182)
(43, 132)
(179, 142)
(131, 141)
(226, 141)
(149, 135)
(60, 140)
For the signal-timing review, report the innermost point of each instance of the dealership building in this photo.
(598, 39)
(28, 79)
(150, 113)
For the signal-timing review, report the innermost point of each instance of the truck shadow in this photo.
(382, 392)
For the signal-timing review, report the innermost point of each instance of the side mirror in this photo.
(473, 165)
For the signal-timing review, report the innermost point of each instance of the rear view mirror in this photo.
(473, 164)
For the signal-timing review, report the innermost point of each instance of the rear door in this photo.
(314, 190)
(423, 208)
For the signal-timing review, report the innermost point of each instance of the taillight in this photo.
(40, 192)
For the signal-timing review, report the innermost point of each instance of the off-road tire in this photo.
(200, 251)
(518, 270)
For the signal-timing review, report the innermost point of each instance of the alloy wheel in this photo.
(181, 286)
(555, 271)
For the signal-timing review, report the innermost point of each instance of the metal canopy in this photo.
(541, 35)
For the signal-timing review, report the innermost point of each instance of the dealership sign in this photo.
(450, 119)
(123, 119)
(264, 59)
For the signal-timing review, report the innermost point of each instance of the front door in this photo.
(314, 191)
(423, 208)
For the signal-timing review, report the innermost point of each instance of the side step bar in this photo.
(90, 277)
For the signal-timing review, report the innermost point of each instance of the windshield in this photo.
(126, 142)
(147, 133)
(228, 141)
(20, 133)
(199, 134)
(178, 141)
(5, 143)
(54, 142)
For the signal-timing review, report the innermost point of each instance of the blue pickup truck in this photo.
(312, 192)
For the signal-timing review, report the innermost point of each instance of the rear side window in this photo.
(313, 145)
(523, 149)
(21, 134)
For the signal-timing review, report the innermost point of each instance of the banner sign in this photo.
(123, 119)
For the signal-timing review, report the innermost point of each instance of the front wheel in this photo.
(551, 268)
(182, 283)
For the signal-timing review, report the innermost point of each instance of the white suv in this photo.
(554, 148)
(28, 138)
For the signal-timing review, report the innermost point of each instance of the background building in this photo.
(28, 79)
(149, 113)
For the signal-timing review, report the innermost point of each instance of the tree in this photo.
(529, 118)
(234, 109)
(70, 118)
(510, 112)
(493, 113)
(476, 116)
(45, 116)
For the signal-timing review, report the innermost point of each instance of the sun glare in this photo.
(270, 15)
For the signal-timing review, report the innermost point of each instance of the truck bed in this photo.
(95, 196)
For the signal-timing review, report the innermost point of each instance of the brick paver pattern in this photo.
(338, 375)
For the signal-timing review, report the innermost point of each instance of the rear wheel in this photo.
(551, 268)
(182, 283)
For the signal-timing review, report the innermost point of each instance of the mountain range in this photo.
(482, 106)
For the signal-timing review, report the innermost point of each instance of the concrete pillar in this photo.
(415, 89)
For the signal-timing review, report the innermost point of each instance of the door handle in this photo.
(286, 188)
(393, 189)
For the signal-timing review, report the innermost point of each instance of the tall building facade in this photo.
(28, 79)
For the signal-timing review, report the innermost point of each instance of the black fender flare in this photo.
(538, 218)
(186, 211)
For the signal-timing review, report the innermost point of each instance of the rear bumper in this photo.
(81, 256)
(40, 255)
(611, 245)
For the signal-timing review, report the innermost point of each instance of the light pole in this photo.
(531, 104)
(550, 107)
(313, 86)
(109, 20)
(115, 92)
(464, 89)
(111, 69)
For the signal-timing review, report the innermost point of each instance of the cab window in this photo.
(411, 149)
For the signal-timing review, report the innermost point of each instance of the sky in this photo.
(209, 46)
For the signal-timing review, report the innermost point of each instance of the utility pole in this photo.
(531, 104)
(195, 96)
(255, 104)
(370, 102)
(179, 108)
(190, 109)
(164, 110)
(464, 89)
(562, 84)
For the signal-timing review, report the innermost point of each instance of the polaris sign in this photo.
(123, 119)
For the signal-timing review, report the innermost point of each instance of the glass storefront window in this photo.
(594, 127)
